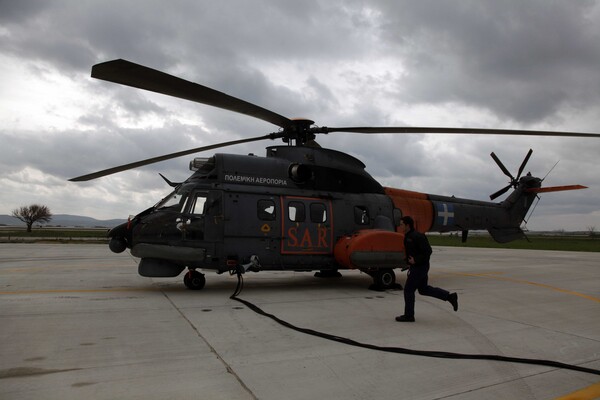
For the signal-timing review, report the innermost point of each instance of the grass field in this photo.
(536, 242)
(53, 234)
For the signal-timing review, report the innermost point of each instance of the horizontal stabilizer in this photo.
(555, 189)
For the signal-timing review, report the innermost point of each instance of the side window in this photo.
(197, 207)
(318, 213)
(266, 210)
(296, 211)
(361, 215)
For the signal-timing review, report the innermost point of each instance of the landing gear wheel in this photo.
(384, 279)
(194, 280)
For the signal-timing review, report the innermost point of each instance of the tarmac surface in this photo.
(77, 322)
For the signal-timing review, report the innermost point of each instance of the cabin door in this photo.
(307, 225)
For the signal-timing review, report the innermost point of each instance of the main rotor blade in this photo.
(139, 76)
(451, 131)
(522, 167)
(152, 160)
(502, 167)
(500, 192)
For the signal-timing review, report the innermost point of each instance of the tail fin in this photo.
(517, 205)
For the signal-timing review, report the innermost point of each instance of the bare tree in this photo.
(591, 231)
(32, 213)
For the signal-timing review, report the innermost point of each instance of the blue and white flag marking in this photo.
(445, 214)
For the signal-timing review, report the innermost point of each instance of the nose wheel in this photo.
(194, 280)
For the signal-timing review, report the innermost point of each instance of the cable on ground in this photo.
(402, 350)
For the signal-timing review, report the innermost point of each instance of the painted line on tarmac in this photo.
(542, 285)
(54, 291)
(588, 393)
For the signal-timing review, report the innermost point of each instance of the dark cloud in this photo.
(521, 60)
(342, 63)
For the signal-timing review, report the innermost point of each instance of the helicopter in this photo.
(301, 207)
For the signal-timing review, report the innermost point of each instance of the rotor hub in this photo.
(299, 131)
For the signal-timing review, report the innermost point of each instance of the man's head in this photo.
(408, 222)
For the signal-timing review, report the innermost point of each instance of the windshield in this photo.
(176, 199)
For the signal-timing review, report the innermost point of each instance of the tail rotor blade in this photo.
(500, 192)
(522, 167)
(502, 167)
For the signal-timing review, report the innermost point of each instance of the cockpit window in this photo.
(197, 205)
(176, 200)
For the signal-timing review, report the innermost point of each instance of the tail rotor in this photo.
(514, 182)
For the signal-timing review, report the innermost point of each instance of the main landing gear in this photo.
(194, 280)
(383, 279)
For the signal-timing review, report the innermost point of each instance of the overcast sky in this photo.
(481, 64)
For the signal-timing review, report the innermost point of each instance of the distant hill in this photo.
(67, 221)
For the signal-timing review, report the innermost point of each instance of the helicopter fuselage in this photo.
(299, 208)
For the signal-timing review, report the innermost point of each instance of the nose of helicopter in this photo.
(118, 237)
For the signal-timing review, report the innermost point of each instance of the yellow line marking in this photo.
(542, 285)
(588, 393)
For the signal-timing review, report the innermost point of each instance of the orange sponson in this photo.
(370, 248)
(413, 204)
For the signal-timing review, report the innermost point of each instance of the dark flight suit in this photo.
(417, 246)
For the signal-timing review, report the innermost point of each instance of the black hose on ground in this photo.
(401, 350)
